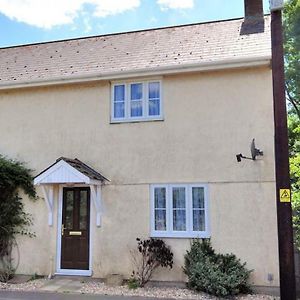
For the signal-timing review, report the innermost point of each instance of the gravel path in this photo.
(32, 285)
(96, 287)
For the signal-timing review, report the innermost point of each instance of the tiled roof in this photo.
(79, 166)
(133, 51)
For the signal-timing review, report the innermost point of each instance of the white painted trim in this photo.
(59, 224)
(42, 178)
(73, 272)
(135, 120)
(145, 101)
(189, 233)
(177, 69)
(96, 198)
(49, 199)
(58, 248)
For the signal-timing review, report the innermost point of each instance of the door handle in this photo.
(62, 229)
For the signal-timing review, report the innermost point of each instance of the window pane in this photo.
(69, 210)
(179, 197)
(198, 220)
(119, 110)
(119, 92)
(136, 91)
(160, 197)
(154, 108)
(179, 220)
(83, 210)
(198, 197)
(160, 219)
(136, 108)
(154, 90)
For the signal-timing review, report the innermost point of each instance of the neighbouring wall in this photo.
(208, 119)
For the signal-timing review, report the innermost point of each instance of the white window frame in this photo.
(145, 101)
(169, 232)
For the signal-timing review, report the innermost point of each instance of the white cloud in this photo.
(49, 13)
(87, 25)
(112, 7)
(175, 4)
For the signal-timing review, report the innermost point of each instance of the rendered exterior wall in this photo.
(208, 119)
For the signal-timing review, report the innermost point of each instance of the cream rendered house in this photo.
(136, 135)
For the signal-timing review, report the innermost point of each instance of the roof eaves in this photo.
(243, 62)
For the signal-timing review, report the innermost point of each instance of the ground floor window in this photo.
(179, 210)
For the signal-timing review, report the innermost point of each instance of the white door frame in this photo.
(59, 270)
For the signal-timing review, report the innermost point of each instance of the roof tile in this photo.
(133, 51)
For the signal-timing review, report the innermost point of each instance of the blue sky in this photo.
(31, 21)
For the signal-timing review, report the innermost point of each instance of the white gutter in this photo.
(168, 70)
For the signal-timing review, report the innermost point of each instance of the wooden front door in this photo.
(75, 229)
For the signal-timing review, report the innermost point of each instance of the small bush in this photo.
(217, 274)
(132, 283)
(36, 276)
(150, 255)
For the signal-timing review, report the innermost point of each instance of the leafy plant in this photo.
(217, 274)
(36, 276)
(294, 149)
(132, 283)
(150, 254)
(14, 176)
(291, 22)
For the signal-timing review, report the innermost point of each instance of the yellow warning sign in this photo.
(285, 195)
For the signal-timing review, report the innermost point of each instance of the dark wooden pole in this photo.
(284, 211)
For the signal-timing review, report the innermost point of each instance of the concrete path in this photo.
(63, 284)
(12, 295)
(62, 288)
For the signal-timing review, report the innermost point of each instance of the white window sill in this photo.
(200, 235)
(135, 120)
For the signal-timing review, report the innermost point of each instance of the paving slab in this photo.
(63, 285)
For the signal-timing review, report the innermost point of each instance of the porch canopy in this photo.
(70, 171)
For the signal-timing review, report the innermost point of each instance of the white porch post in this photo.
(97, 200)
(48, 195)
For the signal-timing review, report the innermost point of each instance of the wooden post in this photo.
(284, 211)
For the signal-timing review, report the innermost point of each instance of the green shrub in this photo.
(36, 276)
(132, 283)
(217, 274)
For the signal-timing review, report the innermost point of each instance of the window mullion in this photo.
(206, 209)
(127, 101)
(189, 209)
(112, 102)
(170, 209)
(186, 196)
(145, 99)
(152, 207)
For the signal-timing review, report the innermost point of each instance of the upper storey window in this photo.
(136, 101)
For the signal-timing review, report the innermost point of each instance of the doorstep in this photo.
(64, 284)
